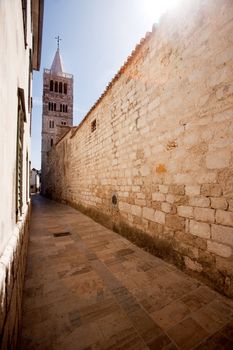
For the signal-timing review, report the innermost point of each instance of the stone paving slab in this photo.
(94, 290)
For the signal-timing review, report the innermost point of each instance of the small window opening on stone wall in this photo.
(51, 123)
(51, 142)
(114, 199)
(93, 125)
(60, 87)
(65, 88)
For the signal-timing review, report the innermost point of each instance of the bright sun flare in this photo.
(155, 8)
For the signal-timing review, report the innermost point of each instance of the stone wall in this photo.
(12, 271)
(163, 143)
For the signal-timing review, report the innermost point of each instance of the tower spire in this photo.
(57, 63)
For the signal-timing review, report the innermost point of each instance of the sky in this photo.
(97, 37)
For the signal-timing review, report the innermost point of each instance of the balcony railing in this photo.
(63, 75)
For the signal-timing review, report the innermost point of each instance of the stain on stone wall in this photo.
(163, 143)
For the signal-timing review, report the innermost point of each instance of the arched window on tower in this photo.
(51, 85)
(51, 106)
(60, 87)
(65, 88)
(66, 108)
(56, 86)
(51, 142)
(54, 107)
(60, 107)
(63, 108)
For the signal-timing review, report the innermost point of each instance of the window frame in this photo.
(24, 15)
(21, 119)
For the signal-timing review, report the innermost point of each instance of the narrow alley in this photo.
(86, 287)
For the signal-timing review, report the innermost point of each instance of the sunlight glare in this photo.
(155, 8)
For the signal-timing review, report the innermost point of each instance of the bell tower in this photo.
(57, 113)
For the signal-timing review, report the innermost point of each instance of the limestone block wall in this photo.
(163, 142)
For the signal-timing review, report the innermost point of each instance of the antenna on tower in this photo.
(58, 41)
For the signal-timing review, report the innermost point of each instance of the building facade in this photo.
(34, 181)
(20, 51)
(57, 107)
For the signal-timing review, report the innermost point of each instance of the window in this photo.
(66, 108)
(60, 107)
(63, 123)
(51, 142)
(93, 125)
(52, 106)
(65, 88)
(51, 85)
(56, 86)
(24, 10)
(60, 87)
(63, 107)
(51, 123)
(19, 153)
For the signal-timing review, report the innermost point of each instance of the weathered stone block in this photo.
(158, 197)
(219, 203)
(211, 190)
(140, 202)
(166, 207)
(175, 222)
(218, 159)
(145, 170)
(219, 249)
(177, 189)
(222, 234)
(199, 229)
(185, 211)
(163, 189)
(224, 265)
(224, 217)
(170, 198)
(159, 217)
(202, 202)
(156, 205)
(193, 190)
(125, 207)
(136, 210)
(136, 189)
(148, 213)
(230, 202)
(204, 214)
(192, 265)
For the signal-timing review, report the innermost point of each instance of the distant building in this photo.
(20, 52)
(57, 115)
(34, 181)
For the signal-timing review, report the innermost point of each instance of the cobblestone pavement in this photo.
(92, 289)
